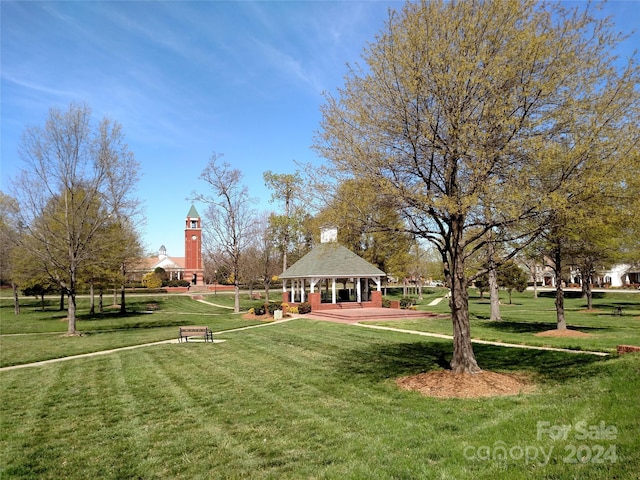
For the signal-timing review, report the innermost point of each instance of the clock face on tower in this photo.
(194, 237)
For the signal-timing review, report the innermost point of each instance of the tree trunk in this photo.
(266, 290)
(464, 360)
(42, 301)
(562, 322)
(62, 299)
(71, 312)
(100, 304)
(92, 307)
(494, 292)
(587, 280)
(123, 302)
(236, 300)
(16, 299)
(495, 295)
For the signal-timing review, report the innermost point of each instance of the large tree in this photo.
(77, 176)
(231, 217)
(453, 115)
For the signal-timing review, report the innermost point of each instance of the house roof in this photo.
(168, 263)
(331, 260)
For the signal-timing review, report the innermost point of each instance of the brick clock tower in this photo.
(193, 248)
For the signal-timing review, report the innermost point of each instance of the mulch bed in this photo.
(253, 316)
(446, 384)
(562, 333)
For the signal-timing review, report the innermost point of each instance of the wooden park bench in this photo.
(194, 331)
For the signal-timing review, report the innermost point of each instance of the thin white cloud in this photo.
(34, 86)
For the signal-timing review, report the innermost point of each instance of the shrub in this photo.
(293, 310)
(386, 303)
(152, 280)
(407, 302)
(304, 307)
(259, 309)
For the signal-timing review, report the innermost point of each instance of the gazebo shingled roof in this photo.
(331, 260)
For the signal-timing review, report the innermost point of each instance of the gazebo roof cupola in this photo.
(328, 234)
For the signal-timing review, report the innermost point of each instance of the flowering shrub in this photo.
(304, 307)
(293, 310)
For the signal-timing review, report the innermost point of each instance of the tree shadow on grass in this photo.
(569, 294)
(382, 361)
(534, 327)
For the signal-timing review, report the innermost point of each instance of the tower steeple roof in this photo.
(193, 213)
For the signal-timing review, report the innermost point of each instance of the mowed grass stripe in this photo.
(179, 407)
(24, 408)
(349, 406)
(76, 425)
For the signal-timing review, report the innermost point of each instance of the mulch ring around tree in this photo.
(446, 384)
(562, 333)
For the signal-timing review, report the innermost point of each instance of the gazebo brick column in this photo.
(376, 298)
(285, 297)
(314, 299)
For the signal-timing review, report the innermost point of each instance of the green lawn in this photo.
(36, 335)
(526, 317)
(308, 399)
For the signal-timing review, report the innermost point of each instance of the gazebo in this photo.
(335, 276)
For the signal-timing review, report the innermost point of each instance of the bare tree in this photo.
(76, 176)
(8, 243)
(266, 247)
(230, 216)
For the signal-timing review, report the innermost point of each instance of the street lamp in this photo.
(215, 282)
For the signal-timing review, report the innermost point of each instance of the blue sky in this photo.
(188, 78)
